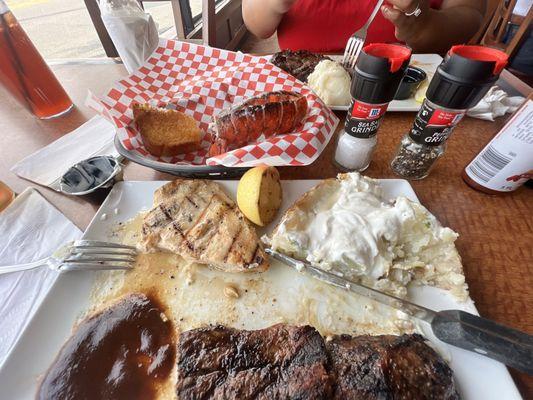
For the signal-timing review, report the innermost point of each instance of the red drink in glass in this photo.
(25, 74)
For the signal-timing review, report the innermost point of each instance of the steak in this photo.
(298, 63)
(388, 367)
(289, 362)
(280, 362)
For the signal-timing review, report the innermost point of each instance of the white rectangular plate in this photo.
(477, 377)
(427, 62)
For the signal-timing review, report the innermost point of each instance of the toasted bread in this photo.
(166, 132)
(197, 220)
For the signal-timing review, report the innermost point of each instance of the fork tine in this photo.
(118, 252)
(96, 243)
(95, 267)
(347, 52)
(353, 48)
(346, 56)
(101, 260)
(355, 53)
(353, 44)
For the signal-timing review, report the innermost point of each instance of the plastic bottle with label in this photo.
(506, 162)
(461, 80)
(378, 72)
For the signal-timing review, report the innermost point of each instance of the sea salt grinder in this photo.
(378, 72)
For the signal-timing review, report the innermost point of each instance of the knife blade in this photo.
(409, 308)
(455, 327)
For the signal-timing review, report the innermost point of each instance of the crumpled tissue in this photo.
(495, 104)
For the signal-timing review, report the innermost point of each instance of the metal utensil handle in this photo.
(480, 335)
(374, 12)
(6, 269)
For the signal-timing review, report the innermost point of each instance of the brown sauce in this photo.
(124, 352)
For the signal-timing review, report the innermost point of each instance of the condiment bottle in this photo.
(378, 72)
(506, 162)
(461, 80)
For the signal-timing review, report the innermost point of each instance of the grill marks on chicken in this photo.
(195, 219)
(290, 362)
(265, 115)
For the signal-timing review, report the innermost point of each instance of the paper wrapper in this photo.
(202, 81)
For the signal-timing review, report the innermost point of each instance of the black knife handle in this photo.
(480, 335)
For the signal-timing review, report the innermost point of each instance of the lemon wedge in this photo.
(420, 94)
(259, 194)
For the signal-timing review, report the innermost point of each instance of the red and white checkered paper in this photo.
(202, 81)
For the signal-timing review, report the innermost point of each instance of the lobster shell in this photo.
(267, 114)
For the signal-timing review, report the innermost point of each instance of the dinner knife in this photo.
(455, 327)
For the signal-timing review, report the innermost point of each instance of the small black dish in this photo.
(410, 83)
(90, 175)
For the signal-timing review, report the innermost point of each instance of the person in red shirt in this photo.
(326, 25)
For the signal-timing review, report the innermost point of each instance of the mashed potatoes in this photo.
(345, 225)
(331, 82)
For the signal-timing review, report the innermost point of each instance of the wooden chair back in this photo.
(209, 26)
(497, 28)
(491, 6)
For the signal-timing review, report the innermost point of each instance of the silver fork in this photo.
(357, 40)
(87, 255)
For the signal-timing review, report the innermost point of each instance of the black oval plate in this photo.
(186, 171)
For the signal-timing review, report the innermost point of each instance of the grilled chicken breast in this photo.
(197, 220)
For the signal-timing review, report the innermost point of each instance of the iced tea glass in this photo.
(25, 74)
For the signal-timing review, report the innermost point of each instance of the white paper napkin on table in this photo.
(47, 165)
(30, 229)
(495, 104)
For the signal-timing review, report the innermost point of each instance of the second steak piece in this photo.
(299, 63)
(279, 362)
(265, 115)
(388, 367)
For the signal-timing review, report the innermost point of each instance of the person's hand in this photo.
(407, 28)
(281, 6)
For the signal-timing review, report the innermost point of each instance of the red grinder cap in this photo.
(465, 75)
(378, 72)
(394, 53)
(483, 54)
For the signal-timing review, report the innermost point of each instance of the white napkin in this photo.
(47, 165)
(30, 229)
(495, 104)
